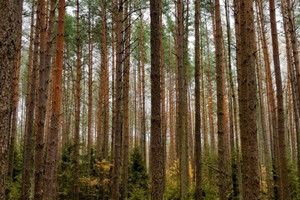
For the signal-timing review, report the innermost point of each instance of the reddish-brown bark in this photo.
(51, 159)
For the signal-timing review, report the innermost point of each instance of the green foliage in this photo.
(293, 180)
(138, 179)
(14, 186)
(66, 172)
(172, 182)
(97, 186)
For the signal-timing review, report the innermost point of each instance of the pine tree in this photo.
(52, 138)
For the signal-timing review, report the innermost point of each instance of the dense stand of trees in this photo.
(132, 99)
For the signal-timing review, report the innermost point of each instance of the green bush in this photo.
(138, 179)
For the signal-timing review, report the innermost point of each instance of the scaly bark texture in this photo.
(197, 103)
(90, 85)
(118, 101)
(14, 111)
(77, 106)
(156, 145)
(126, 124)
(280, 109)
(143, 94)
(171, 111)
(247, 103)
(162, 91)
(30, 107)
(44, 71)
(8, 54)
(221, 108)
(51, 159)
(182, 98)
(105, 82)
(210, 100)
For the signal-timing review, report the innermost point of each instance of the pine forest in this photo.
(149, 99)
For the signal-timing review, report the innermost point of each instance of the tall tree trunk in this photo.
(105, 82)
(126, 124)
(44, 71)
(90, 85)
(13, 136)
(171, 111)
(143, 117)
(289, 67)
(265, 133)
(280, 108)
(182, 97)
(221, 108)
(210, 100)
(247, 103)
(162, 90)
(295, 52)
(52, 138)
(292, 31)
(238, 62)
(271, 101)
(30, 116)
(8, 55)
(197, 103)
(118, 101)
(156, 144)
(77, 106)
(114, 27)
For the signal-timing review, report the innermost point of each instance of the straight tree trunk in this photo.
(210, 100)
(247, 103)
(114, 27)
(171, 112)
(143, 117)
(8, 55)
(182, 97)
(14, 122)
(295, 52)
(52, 138)
(289, 67)
(118, 102)
(265, 133)
(105, 82)
(44, 71)
(30, 116)
(156, 144)
(90, 85)
(77, 106)
(162, 90)
(280, 108)
(292, 31)
(238, 62)
(271, 101)
(221, 108)
(126, 124)
(197, 103)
